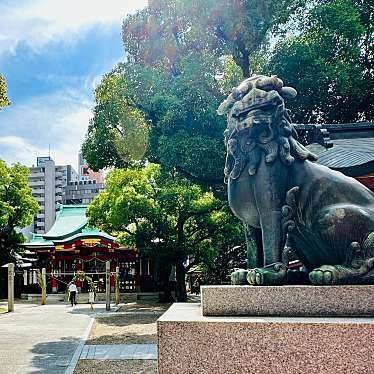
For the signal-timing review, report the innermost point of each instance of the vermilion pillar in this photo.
(54, 285)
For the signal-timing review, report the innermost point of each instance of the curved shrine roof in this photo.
(70, 226)
(347, 147)
(70, 219)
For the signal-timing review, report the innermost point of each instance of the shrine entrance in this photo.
(70, 247)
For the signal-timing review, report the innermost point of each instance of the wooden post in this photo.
(44, 287)
(10, 287)
(107, 285)
(117, 286)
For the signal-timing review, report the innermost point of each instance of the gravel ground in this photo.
(124, 329)
(144, 307)
(116, 366)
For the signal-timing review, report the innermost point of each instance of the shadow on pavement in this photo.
(85, 309)
(127, 320)
(54, 356)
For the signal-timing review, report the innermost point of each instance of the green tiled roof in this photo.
(70, 220)
(38, 240)
(70, 226)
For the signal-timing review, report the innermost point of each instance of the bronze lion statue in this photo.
(324, 218)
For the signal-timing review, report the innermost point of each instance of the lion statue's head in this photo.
(258, 123)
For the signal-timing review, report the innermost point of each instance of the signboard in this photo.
(40, 161)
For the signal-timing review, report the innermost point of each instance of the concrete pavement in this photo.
(119, 352)
(42, 339)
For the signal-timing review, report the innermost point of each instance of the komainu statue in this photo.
(324, 218)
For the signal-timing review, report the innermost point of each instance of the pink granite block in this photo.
(295, 300)
(189, 343)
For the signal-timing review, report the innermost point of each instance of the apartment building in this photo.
(47, 182)
(81, 192)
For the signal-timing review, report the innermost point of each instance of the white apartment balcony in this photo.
(59, 174)
(38, 191)
(58, 190)
(36, 175)
(40, 231)
(36, 183)
(40, 215)
(58, 198)
(40, 199)
(39, 224)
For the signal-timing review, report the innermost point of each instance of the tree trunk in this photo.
(245, 65)
(166, 296)
(180, 292)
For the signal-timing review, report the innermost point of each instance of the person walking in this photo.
(73, 293)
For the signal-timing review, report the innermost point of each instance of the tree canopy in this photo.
(4, 101)
(168, 219)
(331, 63)
(183, 58)
(17, 207)
(177, 50)
(165, 31)
(177, 114)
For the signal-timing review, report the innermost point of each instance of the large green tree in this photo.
(17, 207)
(4, 101)
(331, 63)
(177, 50)
(176, 113)
(167, 30)
(170, 220)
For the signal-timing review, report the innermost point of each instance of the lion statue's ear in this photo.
(288, 92)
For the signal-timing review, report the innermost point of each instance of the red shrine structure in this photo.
(70, 246)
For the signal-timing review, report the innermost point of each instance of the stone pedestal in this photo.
(191, 343)
(293, 301)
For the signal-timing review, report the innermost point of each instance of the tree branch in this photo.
(207, 236)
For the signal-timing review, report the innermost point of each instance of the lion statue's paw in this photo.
(362, 272)
(271, 275)
(326, 274)
(239, 277)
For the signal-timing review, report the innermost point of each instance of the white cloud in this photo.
(26, 130)
(36, 22)
(60, 118)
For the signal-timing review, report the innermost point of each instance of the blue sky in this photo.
(53, 54)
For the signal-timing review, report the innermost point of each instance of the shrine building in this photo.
(71, 246)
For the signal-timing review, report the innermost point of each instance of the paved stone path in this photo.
(119, 352)
(43, 339)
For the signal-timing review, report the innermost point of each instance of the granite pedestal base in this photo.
(294, 301)
(190, 343)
